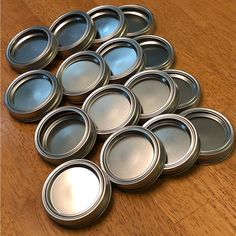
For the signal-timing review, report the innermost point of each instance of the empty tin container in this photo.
(32, 95)
(124, 57)
(76, 193)
(180, 141)
(156, 92)
(189, 89)
(109, 22)
(215, 132)
(133, 158)
(82, 73)
(140, 20)
(112, 107)
(32, 48)
(159, 53)
(74, 31)
(65, 133)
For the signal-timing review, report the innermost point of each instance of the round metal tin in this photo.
(109, 22)
(32, 48)
(76, 193)
(124, 57)
(74, 31)
(32, 95)
(133, 158)
(215, 132)
(64, 134)
(189, 89)
(82, 73)
(112, 107)
(180, 140)
(140, 20)
(159, 53)
(156, 92)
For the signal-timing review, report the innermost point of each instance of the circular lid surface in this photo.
(180, 141)
(139, 19)
(189, 89)
(159, 53)
(215, 133)
(156, 92)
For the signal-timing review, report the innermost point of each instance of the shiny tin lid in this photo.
(124, 57)
(32, 95)
(65, 133)
(140, 20)
(180, 140)
(159, 53)
(133, 158)
(82, 73)
(74, 31)
(156, 92)
(32, 48)
(215, 132)
(76, 193)
(189, 89)
(109, 22)
(112, 107)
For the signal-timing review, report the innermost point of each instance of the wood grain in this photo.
(200, 203)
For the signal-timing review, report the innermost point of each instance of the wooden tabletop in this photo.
(202, 202)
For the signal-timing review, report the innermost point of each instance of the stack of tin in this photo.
(131, 100)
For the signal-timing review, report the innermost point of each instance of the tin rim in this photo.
(94, 211)
(142, 12)
(50, 121)
(157, 40)
(220, 154)
(171, 103)
(191, 156)
(126, 42)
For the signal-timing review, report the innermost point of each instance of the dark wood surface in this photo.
(202, 202)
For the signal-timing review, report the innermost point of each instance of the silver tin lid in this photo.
(180, 141)
(82, 73)
(64, 134)
(156, 92)
(32, 48)
(112, 107)
(109, 22)
(215, 132)
(32, 95)
(74, 31)
(124, 57)
(159, 53)
(133, 158)
(140, 20)
(189, 89)
(76, 193)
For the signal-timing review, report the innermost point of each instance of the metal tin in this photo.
(140, 20)
(133, 158)
(159, 53)
(32, 48)
(82, 73)
(32, 95)
(76, 193)
(124, 57)
(215, 132)
(180, 141)
(109, 22)
(64, 134)
(75, 32)
(156, 92)
(189, 89)
(112, 107)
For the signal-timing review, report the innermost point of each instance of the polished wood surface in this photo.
(203, 202)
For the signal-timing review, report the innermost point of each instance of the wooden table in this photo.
(202, 202)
